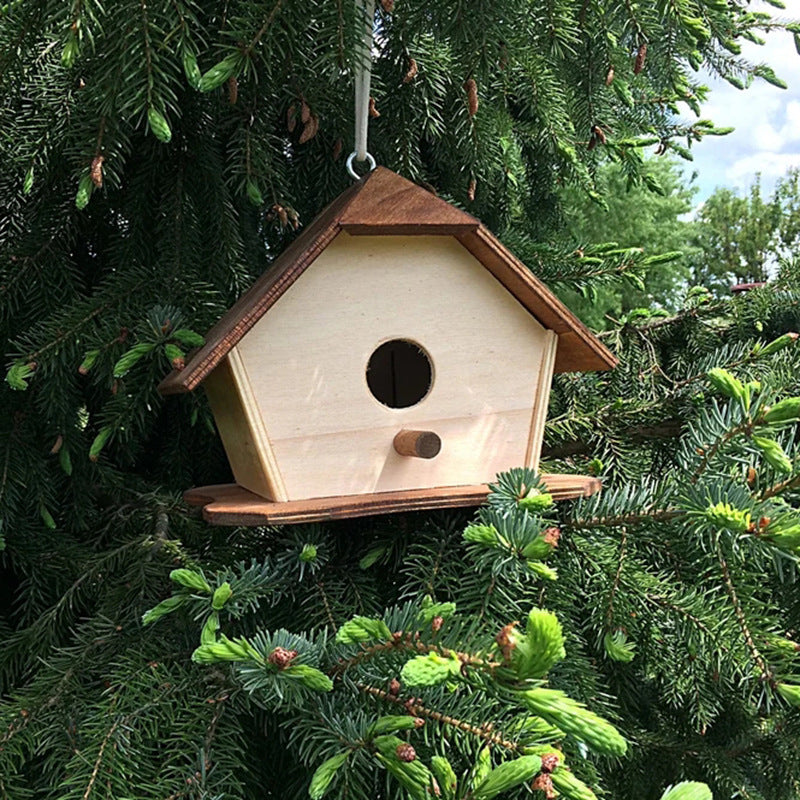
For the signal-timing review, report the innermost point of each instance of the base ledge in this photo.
(230, 504)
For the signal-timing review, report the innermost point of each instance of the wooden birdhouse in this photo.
(396, 356)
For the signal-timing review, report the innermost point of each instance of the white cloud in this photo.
(771, 166)
(766, 119)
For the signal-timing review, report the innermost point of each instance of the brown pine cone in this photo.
(472, 96)
(412, 71)
(97, 170)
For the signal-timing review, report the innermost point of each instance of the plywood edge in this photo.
(266, 454)
(588, 353)
(229, 504)
(541, 401)
(235, 430)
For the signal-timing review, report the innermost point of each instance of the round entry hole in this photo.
(399, 373)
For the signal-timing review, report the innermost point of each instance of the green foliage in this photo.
(689, 790)
(648, 261)
(507, 776)
(325, 774)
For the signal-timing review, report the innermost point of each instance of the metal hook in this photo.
(353, 174)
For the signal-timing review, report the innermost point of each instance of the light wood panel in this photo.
(229, 504)
(235, 431)
(541, 400)
(580, 350)
(306, 361)
(242, 430)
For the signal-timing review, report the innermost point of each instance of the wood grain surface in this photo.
(306, 366)
(417, 444)
(231, 505)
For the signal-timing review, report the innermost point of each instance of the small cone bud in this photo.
(394, 687)
(411, 73)
(473, 185)
(549, 762)
(436, 623)
(405, 752)
(610, 76)
(178, 364)
(552, 535)
(544, 783)
(373, 111)
(506, 640)
(281, 658)
(57, 445)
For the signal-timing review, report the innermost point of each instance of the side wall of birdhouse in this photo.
(242, 430)
(541, 401)
(312, 427)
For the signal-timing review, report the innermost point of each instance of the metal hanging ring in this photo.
(351, 158)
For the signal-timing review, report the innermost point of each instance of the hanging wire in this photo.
(366, 9)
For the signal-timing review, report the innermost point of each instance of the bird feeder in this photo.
(394, 357)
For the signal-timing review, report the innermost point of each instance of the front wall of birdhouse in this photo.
(303, 370)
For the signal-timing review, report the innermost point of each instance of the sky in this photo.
(767, 122)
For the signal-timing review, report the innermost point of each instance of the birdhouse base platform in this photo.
(230, 504)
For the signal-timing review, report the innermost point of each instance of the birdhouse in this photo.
(395, 356)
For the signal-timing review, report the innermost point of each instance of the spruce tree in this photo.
(154, 158)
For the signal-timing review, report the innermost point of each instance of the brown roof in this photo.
(385, 203)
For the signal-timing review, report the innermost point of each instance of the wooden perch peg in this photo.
(420, 444)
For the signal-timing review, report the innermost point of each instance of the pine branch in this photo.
(413, 707)
(766, 674)
(99, 759)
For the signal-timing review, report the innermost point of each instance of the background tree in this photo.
(153, 158)
(640, 219)
(735, 238)
(741, 239)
